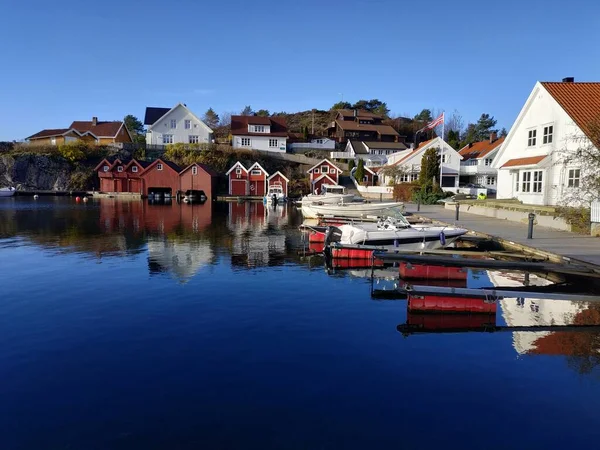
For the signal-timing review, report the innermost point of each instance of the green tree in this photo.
(374, 105)
(453, 139)
(263, 113)
(351, 165)
(424, 116)
(485, 125)
(470, 135)
(503, 132)
(305, 132)
(247, 111)
(359, 175)
(136, 129)
(430, 167)
(341, 105)
(211, 118)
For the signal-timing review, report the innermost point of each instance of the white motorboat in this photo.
(331, 195)
(275, 194)
(394, 233)
(352, 210)
(7, 192)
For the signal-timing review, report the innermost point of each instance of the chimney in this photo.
(355, 113)
(493, 137)
(569, 80)
(94, 121)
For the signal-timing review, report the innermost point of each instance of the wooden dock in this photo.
(556, 245)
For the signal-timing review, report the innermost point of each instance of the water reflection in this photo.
(179, 239)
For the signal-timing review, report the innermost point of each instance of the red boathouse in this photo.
(325, 167)
(161, 177)
(257, 180)
(278, 179)
(238, 179)
(198, 178)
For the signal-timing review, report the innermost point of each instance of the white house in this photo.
(477, 164)
(175, 125)
(553, 122)
(267, 134)
(410, 161)
(316, 143)
(374, 153)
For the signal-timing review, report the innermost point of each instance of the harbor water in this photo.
(129, 325)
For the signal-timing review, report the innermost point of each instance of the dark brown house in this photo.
(361, 125)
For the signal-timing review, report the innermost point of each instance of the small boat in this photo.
(394, 233)
(7, 192)
(331, 194)
(275, 194)
(353, 210)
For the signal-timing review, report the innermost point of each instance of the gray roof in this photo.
(358, 147)
(398, 146)
(153, 114)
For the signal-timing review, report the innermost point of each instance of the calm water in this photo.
(136, 326)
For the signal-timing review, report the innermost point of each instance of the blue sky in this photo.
(71, 60)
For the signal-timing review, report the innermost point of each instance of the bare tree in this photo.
(579, 163)
(225, 119)
(454, 122)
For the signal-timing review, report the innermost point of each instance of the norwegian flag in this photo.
(431, 125)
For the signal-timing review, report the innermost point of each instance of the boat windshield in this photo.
(333, 189)
(396, 215)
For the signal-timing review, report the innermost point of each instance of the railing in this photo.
(341, 155)
(595, 212)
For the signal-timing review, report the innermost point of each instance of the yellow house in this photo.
(94, 131)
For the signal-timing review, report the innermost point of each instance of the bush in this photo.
(403, 192)
(578, 218)
(428, 194)
(82, 179)
(74, 151)
(351, 165)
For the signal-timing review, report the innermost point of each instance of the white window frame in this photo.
(445, 158)
(256, 172)
(119, 168)
(193, 139)
(316, 171)
(531, 137)
(187, 124)
(105, 168)
(259, 128)
(526, 182)
(134, 169)
(490, 180)
(173, 124)
(246, 142)
(324, 169)
(517, 182)
(159, 166)
(238, 171)
(574, 178)
(548, 134)
(537, 184)
(167, 139)
(195, 170)
(273, 143)
(488, 162)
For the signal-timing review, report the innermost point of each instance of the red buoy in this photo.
(77, 199)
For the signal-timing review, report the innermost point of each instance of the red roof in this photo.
(479, 149)
(581, 101)
(101, 129)
(524, 161)
(49, 133)
(239, 125)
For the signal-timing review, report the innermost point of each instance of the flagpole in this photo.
(442, 153)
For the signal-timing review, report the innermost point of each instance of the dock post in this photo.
(530, 227)
(457, 206)
(419, 203)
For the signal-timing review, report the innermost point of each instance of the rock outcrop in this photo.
(35, 172)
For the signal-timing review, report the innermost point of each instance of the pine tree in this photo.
(247, 111)
(351, 165)
(359, 175)
(430, 168)
(305, 132)
(211, 118)
(503, 132)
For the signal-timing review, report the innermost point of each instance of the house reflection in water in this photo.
(173, 246)
(540, 312)
(258, 238)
